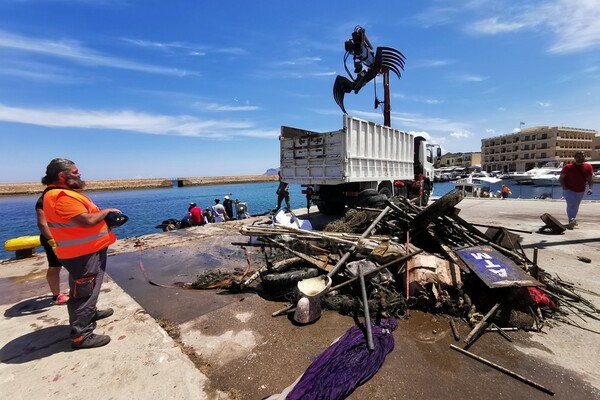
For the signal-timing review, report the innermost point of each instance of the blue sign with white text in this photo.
(495, 269)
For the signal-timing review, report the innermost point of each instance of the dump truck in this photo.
(358, 164)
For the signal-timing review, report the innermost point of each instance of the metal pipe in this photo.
(365, 300)
(502, 369)
(366, 233)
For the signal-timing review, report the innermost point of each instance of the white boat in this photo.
(468, 187)
(527, 177)
(596, 166)
(551, 178)
(482, 178)
(474, 185)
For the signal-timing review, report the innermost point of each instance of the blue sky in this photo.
(152, 89)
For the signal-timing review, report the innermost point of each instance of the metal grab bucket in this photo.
(308, 308)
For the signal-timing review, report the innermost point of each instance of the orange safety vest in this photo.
(73, 240)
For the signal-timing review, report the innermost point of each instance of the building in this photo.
(596, 149)
(461, 160)
(535, 147)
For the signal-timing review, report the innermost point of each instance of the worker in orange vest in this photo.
(505, 192)
(82, 238)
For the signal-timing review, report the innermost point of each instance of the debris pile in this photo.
(405, 257)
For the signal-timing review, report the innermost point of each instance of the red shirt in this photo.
(576, 176)
(196, 214)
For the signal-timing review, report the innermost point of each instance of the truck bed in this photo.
(361, 151)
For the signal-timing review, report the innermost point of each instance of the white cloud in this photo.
(492, 26)
(182, 125)
(576, 24)
(490, 131)
(74, 52)
(544, 103)
(167, 47)
(472, 78)
(501, 109)
(222, 107)
(461, 135)
(431, 63)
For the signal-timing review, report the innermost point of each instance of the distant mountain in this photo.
(272, 171)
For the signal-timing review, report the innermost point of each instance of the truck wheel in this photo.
(363, 197)
(376, 201)
(386, 191)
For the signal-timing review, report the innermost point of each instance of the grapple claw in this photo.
(341, 86)
(366, 65)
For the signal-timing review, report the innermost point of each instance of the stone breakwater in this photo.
(28, 188)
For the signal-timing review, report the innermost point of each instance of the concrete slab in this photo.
(141, 361)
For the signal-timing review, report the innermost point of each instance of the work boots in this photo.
(101, 314)
(90, 341)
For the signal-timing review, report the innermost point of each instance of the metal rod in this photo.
(365, 300)
(481, 325)
(366, 233)
(502, 369)
(499, 227)
(500, 331)
(387, 265)
(454, 330)
(495, 328)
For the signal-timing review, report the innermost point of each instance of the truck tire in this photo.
(363, 199)
(375, 201)
(386, 191)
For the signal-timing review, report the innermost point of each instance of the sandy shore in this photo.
(27, 188)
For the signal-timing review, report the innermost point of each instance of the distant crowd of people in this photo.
(218, 212)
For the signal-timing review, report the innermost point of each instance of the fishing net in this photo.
(346, 364)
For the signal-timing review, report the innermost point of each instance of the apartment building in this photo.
(536, 146)
(462, 160)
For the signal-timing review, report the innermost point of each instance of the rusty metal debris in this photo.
(414, 257)
(384, 262)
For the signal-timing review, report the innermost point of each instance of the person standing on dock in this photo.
(196, 216)
(54, 265)
(82, 239)
(573, 178)
(283, 193)
(228, 204)
(218, 211)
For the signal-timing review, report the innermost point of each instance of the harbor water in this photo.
(147, 208)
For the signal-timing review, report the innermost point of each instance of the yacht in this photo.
(596, 166)
(526, 178)
(550, 178)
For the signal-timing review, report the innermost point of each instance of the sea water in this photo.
(147, 208)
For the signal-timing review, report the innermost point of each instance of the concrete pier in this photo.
(228, 345)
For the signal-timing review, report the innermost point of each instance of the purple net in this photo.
(346, 364)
